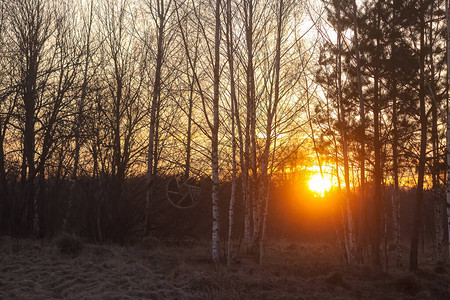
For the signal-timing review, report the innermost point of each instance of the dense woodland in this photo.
(105, 103)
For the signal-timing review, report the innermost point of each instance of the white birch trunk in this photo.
(351, 237)
(233, 131)
(264, 224)
(233, 193)
(247, 217)
(345, 239)
(272, 113)
(250, 144)
(215, 142)
(349, 220)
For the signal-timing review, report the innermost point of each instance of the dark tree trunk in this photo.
(413, 259)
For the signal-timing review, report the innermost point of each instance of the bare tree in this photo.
(124, 58)
(213, 101)
(272, 112)
(395, 139)
(362, 117)
(79, 119)
(215, 140)
(160, 14)
(447, 17)
(413, 260)
(7, 104)
(348, 214)
(234, 109)
(30, 29)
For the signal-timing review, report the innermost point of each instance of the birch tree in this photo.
(212, 101)
(234, 109)
(271, 115)
(251, 214)
(215, 140)
(348, 214)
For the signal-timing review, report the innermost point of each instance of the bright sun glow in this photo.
(319, 185)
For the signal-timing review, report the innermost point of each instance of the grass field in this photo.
(39, 269)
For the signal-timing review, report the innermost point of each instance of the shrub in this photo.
(69, 245)
(150, 243)
(408, 284)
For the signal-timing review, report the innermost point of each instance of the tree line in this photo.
(385, 77)
(99, 100)
(96, 94)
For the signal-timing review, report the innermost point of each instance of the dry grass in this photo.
(69, 245)
(31, 269)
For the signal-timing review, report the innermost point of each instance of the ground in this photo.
(40, 269)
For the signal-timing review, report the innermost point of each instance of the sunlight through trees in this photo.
(245, 105)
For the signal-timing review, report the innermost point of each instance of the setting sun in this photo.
(319, 184)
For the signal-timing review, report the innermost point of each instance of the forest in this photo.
(252, 129)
